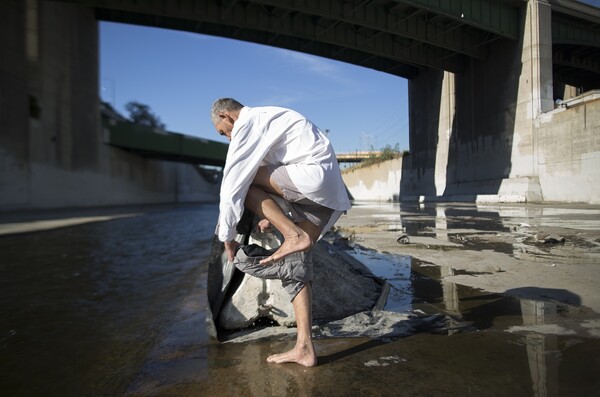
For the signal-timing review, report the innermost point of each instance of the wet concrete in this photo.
(502, 245)
(117, 308)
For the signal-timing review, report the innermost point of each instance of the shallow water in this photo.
(117, 308)
(421, 287)
(83, 305)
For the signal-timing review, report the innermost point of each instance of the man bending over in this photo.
(278, 152)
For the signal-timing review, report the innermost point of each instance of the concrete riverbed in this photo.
(484, 300)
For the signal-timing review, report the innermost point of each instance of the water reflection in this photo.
(542, 350)
(425, 287)
(490, 217)
(516, 230)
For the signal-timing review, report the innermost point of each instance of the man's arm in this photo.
(247, 149)
(230, 249)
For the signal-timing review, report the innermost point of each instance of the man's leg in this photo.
(298, 237)
(304, 351)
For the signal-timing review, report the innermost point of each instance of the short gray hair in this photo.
(223, 105)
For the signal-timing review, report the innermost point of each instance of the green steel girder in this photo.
(495, 17)
(576, 62)
(396, 36)
(164, 145)
(346, 35)
(567, 31)
(283, 41)
(246, 19)
(377, 16)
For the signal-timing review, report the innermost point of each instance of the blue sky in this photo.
(180, 74)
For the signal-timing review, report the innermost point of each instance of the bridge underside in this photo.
(399, 37)
(396, 37)
(576, 47)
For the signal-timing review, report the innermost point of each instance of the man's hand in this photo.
(263, 226)
(230, 248)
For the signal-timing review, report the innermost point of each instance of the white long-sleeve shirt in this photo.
(278, 136)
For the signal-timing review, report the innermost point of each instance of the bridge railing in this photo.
(356, 157)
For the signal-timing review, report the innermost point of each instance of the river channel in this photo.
(116, 306)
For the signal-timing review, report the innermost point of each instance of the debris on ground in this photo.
(403, 239)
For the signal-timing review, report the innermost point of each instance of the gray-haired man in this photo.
(277, 151)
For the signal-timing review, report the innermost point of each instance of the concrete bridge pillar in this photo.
(49, 102)
(14, 114)
(52, 151)
(537, 55)
(446, 124)
(535, 94)
(473, 135)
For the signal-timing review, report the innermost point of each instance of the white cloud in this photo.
(312, 63)
(320, 67)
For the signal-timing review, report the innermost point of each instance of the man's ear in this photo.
(229, 118)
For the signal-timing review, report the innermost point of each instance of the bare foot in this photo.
(291, 245)
(301, 354)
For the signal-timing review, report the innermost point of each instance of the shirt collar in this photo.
(241, 116)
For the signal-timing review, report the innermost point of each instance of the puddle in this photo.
(419, 287)
(509, 229)
(396, 270)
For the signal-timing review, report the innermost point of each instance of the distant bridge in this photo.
(164, 145)
(173, 146)
(356, 157)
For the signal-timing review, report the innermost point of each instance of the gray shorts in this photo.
(294, 270)
(302, 208)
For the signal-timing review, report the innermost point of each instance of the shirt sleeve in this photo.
(245, 154)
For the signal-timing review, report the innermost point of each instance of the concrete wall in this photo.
(567, 164)
(51, 142)
(569, 153)
(14, 104)
(379, 182)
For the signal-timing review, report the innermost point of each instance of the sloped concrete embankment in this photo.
(378, 182)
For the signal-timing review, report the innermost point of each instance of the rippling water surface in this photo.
(82, 306)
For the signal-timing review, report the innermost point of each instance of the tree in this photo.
(142, 115)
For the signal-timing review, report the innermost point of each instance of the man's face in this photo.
(224, 126)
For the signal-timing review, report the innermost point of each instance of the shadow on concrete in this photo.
(525, 305)
(418, 167)
(480, 141)
(482, 133)
(546, 294)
